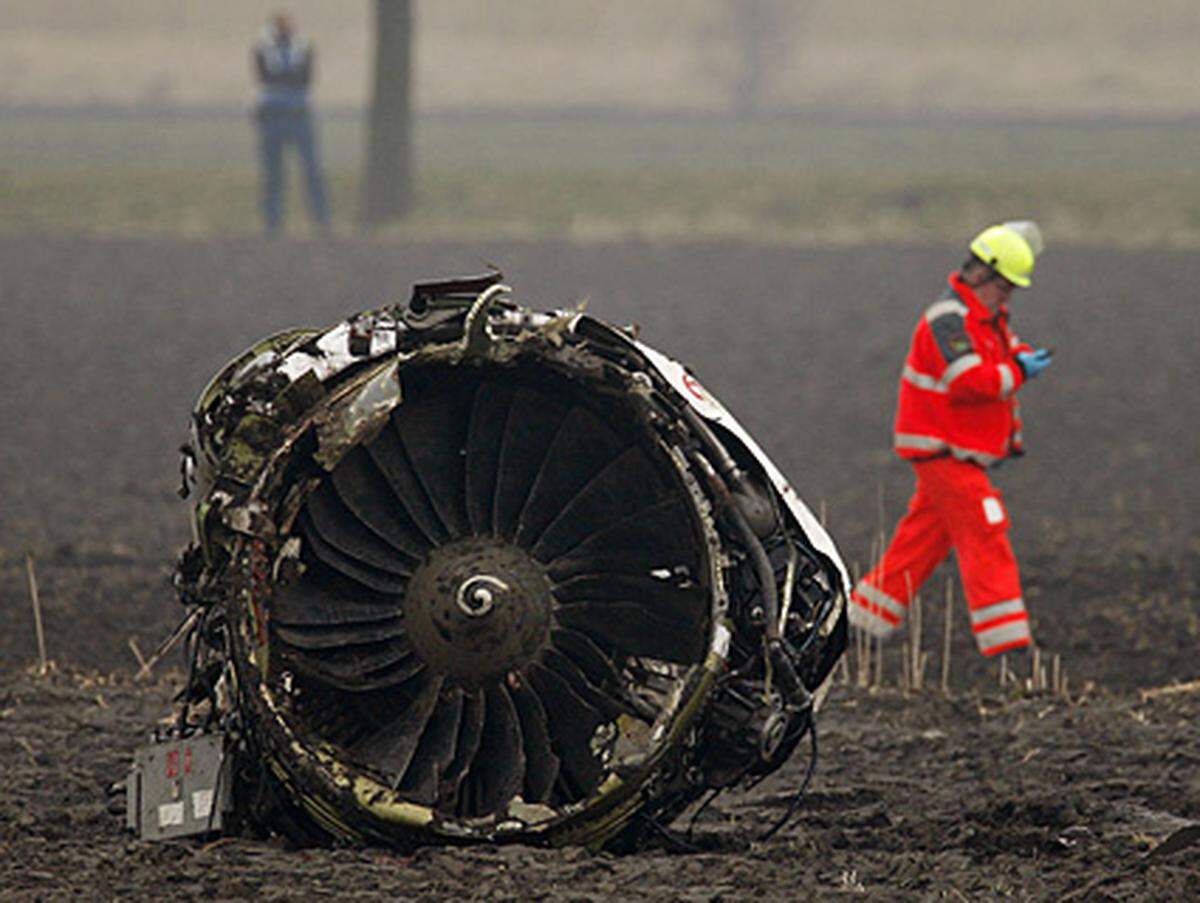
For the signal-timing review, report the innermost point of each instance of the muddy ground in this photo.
(978, 793)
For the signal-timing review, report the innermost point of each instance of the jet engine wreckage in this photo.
(464, 572)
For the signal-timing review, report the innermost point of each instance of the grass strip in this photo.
(1110, 208)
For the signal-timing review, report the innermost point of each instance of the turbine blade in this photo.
(686, 606)
(489, 414)
(310, 602)
(363, 489)
(541, 768)
(357, 668)
(626, 486)
(499, 769)
(470, 732)
(388, 453)
(435, 751)
(598, 668)
(635, 630)
(353, 568)
(572, 723)
(659, 537)
(326, 514)
(392, 748)
(532, 422)
(608, 706)
(336, 635)
(432, 426)
(581, 448)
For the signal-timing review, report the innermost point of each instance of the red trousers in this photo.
(954, 507)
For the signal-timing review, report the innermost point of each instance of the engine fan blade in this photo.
(541, 764)
(686, 606)
(392, 748)
(485, 435)
(634, 629)
(659, 537)
(608, 706)
(433, 429)
(333, 636)
(582, 447)
(388, 453)
(357, 668)
(435, 751)
(363, 488)
(341, 528)
(329, 601)
(372, 577)
(466, 747)
(598, 668)
(572, 723)
(627, 485)
(533, 421)
(498, 771)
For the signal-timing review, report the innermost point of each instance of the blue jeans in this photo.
(277, 128)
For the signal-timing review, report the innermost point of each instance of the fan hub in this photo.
(478, 608)
(477, 595)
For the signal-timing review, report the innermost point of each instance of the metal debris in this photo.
(468, 572)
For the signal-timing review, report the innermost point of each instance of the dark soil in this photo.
(978, 793)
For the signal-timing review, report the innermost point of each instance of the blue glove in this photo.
(1034, 362)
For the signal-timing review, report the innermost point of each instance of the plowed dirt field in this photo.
(977, 793)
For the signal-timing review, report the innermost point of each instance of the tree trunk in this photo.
(765, 37)
(387, 191)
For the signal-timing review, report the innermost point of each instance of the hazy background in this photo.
(812, 121)
(1028, 58)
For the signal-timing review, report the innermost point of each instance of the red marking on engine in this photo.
(693, 385)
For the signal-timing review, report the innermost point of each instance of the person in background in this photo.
(283, 64)
(958, 415)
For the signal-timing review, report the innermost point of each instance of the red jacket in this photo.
(958, 388)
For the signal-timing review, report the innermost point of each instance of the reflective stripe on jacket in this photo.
(958, 386)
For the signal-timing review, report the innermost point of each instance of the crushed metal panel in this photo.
(179, 788)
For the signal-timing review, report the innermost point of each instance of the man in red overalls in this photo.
(957, 416)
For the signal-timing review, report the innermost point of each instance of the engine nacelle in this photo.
(466, 572)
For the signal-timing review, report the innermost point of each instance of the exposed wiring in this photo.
(808, 773)
(716, 791)
(192, 643)
(674, 842)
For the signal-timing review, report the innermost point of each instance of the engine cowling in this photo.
(467, 572)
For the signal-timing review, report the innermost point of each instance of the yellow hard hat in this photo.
(1010, 249)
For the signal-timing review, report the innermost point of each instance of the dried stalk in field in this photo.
(856, 640)
(862, 648)
(166, 645)
(31, 576)
(1059, 678)
(915, 641)
(946, 636)
(879, 662)
(863, 654)
(137, 653)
